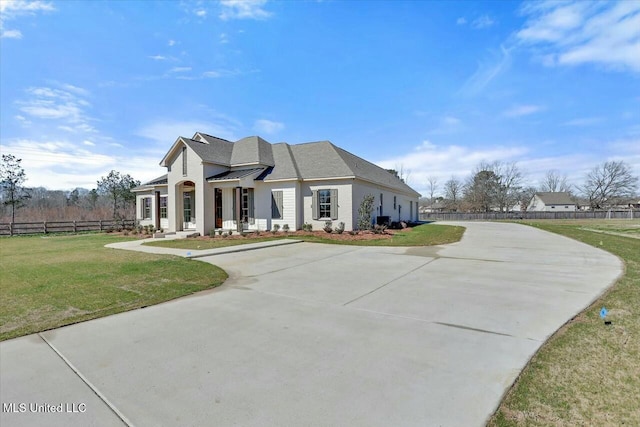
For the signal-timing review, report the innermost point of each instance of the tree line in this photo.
(501, 186)
(111, 198)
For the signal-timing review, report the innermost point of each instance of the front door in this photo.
(189, 210)
(218, 203)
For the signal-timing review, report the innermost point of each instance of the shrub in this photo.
(340, 228)
(135, 232)
(307, 227)
(328, 227)
(243, 234)
(220, 232)
(212, 233)
(230, 232)
(379, 229)
(285, 228)
(364, 212)
(275, 228)
(225, 234)
(353, 233)
(125, 232)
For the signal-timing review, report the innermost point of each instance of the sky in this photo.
(431, 87)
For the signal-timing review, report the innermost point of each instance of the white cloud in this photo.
(180, 70)
(11, 34)
(201, 13)
(578, 32)
(88, 143)
(171, 43)
(223, 38)
(243, 9)
(584, 121)
(522, 110)
(158, 58)
(66, 107)
(451, 121)
(443, 161)
(12, 9)
(487, 71)
(267, 126)
(482, 22)
(461, 21)
(165, 132)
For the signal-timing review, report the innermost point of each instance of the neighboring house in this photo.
(437, 206)
(252, 184)
(552, 202)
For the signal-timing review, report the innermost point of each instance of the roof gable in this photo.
(555, 198)
(252, 150)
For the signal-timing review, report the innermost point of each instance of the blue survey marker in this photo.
(603, 312)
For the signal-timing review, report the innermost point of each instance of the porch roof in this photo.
(234, 174)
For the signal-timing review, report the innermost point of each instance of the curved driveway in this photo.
(321, 335)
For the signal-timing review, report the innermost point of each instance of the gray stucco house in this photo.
(251, 184)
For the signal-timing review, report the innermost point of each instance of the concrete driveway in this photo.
(319, 335)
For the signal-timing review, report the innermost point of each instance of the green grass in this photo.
(587, 373)
(47, 282)
(423, 235)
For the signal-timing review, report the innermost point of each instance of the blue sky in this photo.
(433, 87)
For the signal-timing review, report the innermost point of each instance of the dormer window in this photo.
(184, 161)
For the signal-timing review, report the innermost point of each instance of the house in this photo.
(251, 184)
(552, 202)
(433, 207)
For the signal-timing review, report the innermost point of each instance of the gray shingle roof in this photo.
(313, 160)
(555, 198)
(161, 180)
(216, 151)
(252, 149)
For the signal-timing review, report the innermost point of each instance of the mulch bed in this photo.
(361, 235)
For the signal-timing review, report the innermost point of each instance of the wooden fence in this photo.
(491, 216)
(18, 228)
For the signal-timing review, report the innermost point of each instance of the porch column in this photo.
(238, 209)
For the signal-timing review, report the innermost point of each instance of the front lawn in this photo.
(49, 282)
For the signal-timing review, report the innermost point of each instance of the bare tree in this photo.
(402, 173)
(554, 182)
(509, 184)
(433, 187)
(525, 196)
(494, 185)
(12, 176)
(453, 193)
(608, 182)
(480, 191)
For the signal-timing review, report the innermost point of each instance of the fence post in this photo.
(10, 229)
(44, 225)
(100, 225)
(75, 228)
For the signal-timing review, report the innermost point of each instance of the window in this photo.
(325, 204)
(184, 161)
(394, 203)
(146, 208)
(276, 204)
(163, 207)
(381, 204)
(246, 205)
